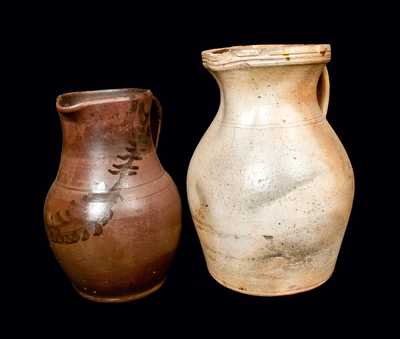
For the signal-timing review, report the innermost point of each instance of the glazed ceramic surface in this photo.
(112, 215)
(270, 186)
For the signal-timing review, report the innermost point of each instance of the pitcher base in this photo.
(267, 294)
(120, 299)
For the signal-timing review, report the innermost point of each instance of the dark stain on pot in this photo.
(292, 253)
(270, 256)
(221, 51)
(198, 217)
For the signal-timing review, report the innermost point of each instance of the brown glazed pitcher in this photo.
(113, 215)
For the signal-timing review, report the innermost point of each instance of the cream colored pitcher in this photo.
(270, 185)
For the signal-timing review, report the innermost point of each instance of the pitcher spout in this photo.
(113, 116)
(76, 101)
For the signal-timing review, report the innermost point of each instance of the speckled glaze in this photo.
(270, 185)
(112, 215)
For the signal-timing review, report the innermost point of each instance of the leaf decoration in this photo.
(124, 156)
(59, 219)
(64, 227)
(113, 172)
(85, 235)
(132, 143)
(120, 166)
(98, 230)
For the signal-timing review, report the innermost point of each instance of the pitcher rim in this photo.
(242, 56)
(73, 101)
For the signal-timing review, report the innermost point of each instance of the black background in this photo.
(71, 49)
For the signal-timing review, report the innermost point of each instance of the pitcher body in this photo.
(112, 215)
(270, 185)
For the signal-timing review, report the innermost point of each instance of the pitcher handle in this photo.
(156, 114)
(323, 90)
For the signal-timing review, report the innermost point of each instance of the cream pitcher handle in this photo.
(323, 91)
(156, 114)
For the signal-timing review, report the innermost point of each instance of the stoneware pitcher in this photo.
(270, 185)
(112, 215)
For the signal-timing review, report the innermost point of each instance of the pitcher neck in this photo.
(267, 89)
(100, 123)
(108, 141)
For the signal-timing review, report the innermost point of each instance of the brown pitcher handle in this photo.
(323, 91)
(156, 114)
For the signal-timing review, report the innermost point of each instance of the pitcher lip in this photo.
(74, 101)
(265, 55)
